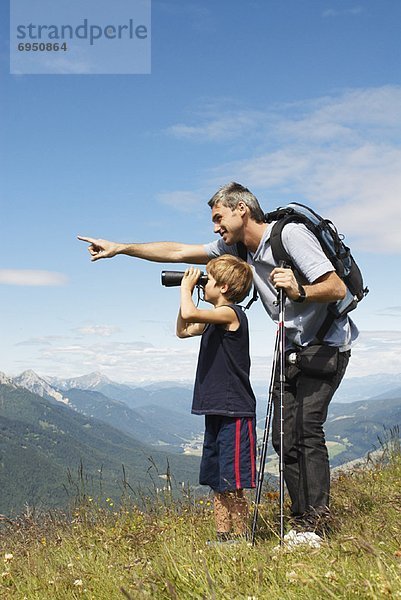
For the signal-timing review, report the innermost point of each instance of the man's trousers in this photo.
(306, 461)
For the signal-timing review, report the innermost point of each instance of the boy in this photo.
(222, 389)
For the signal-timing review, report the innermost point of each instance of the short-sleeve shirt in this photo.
(302, 320)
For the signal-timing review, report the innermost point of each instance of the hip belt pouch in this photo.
(318, 360)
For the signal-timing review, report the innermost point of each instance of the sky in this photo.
(299, 100)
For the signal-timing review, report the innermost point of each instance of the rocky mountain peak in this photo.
(38, 385)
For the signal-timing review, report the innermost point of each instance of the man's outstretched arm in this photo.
(173, 252)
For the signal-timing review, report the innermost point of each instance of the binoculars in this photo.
(174, 278)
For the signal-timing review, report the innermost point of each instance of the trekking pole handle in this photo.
(283, 265)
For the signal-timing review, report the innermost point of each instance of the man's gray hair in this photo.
(232, 193)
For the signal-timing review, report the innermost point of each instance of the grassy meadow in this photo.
(102, 551)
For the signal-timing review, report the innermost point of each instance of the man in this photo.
(238, 217)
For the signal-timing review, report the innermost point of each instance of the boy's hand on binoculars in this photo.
(190, 279)
(285, 279)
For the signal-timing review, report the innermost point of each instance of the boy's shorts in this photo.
(229, 453)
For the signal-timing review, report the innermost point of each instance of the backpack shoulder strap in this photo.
(325, 326)
(243, 254)
(242, 250)
(282, 218)
(276, 242)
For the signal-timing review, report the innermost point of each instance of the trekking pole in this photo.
(263, 455)
(281, 331)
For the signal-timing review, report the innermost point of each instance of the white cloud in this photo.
(350, 115)
(31, 278)
(140, 361)
(333, 12)
(101, 330)
(390, 311)
(181, 200)
(218, 128)
(341, 154)
(39, 341)
(376, 352)
(134, 361)
(358, 188)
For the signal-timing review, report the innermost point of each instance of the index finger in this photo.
(86, 239)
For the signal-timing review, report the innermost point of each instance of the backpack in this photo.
(334, 248)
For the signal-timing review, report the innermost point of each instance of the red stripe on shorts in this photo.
(252, 445)
(237, 453)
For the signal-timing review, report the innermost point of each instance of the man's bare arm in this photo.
(327, 288)
(172, 252)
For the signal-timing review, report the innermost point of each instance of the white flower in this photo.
(292, 576)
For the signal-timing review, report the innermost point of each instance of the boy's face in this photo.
(212, 289)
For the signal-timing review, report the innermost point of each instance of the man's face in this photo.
(227, 223)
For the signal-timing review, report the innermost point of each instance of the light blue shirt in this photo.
(302, 320)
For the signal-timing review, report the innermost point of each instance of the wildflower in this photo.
(330, 575)
(292, 576)
(8, 556)
(78, 583)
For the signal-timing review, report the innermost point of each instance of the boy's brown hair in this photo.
(234, 272)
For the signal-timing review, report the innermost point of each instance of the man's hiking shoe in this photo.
(294, 539)
(317, 520)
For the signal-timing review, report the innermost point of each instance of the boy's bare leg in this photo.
(231, 512)
(239, 512)
(222, 515)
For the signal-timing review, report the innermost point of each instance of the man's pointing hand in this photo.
(100, 248)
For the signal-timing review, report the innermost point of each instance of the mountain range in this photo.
(51, 428)
(158, 416)
(52, 446)
(353, 389)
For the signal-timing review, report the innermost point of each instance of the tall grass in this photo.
(101, 552)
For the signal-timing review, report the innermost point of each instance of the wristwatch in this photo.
(302, 294)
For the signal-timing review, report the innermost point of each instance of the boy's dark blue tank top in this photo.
(222, 384)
